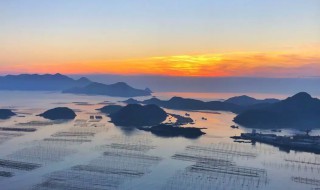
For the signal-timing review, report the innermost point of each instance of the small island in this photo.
(59, 113)
(164, 130)
(6, 113)
(136, 115)
(109, 109)
(150, 118)
(181, 120)
(119, 89)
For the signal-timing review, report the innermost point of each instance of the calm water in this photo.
(92, 154)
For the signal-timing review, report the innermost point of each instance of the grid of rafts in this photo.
(293, 162)
(48, 150)
(8, 168)
(39, 123)
(310, 163)
(42, 153)
(119, 163)
(5, 136)
(308, 181)
(7, 133)
(215, 168)
(57, 146)
(82, 132)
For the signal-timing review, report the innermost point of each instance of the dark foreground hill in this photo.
(299, 111)
(137, 115)
(6, 113)
(119, 89)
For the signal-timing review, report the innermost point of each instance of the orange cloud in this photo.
(265, 64)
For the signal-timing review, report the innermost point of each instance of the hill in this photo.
(110, 109)
(137, 115)
(249, 101)
(119, 89)
(6, 113)
(179, 103)
(59, 113)
(299, 111)
(35, 82)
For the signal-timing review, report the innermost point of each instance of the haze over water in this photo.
(63, 159)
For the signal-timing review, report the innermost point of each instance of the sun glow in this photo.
(268, 64)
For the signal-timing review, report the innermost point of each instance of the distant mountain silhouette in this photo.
(179, 103)
(59, 113)
(299, 111)
(35, 82)
(6, 113)
(148, 90)
(131, 101)
(248, 101)
(137, 115)
(109, 109)
(119, 89)
(59, 82)
(215, 84)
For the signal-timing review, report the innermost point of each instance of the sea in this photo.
(88, 153)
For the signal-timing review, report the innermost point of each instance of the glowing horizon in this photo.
(253, 64)
(171, 38)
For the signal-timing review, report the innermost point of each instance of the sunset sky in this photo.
(264, 38)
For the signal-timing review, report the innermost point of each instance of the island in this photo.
(181, 120)
(36, 82)
(6, 113)
(235, 104)
(59, 113)
(245, 100)
(110, 109)
(300, 111)
(131, 101)
(136, 115)
(164, 130)
(65, 84)
(119, 89)
(179, 103)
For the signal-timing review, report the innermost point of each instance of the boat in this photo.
(234, 127)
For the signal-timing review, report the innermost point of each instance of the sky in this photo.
(211, 38)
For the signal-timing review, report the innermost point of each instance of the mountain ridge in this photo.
(65, 84)
(299, 111)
